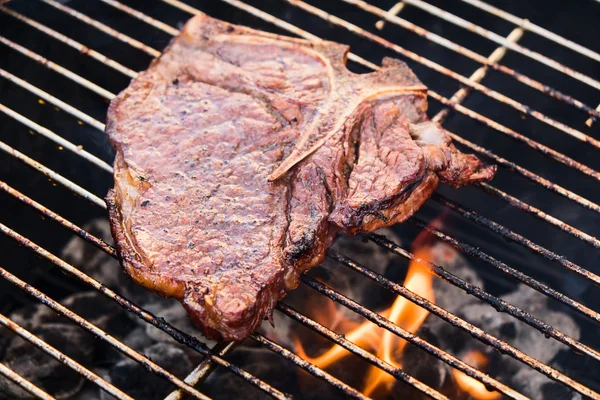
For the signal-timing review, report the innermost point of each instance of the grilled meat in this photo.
(241, 154)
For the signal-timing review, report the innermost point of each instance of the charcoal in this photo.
(137, 381)
(42, 370)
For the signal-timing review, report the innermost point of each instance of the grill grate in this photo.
(215, 355)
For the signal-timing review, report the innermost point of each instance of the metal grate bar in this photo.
(460, 95)
(30, 162)
(528, 25)
(307, 366)
(57, 68)
(69, 362)
(85, 324)
(70, 42)
(104, 28)
(63, 143)
(24, 383)
(351, 347)
(473, 55)
(515, 237)
(526, 173)
(143, 17)
(429, 348)
(523, 278)
(447, 316)
(536, 212)
(82, 233)
(203, 369)
(501, 41)
(159, 323)
(53, 100)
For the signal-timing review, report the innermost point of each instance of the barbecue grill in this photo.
(537, 110)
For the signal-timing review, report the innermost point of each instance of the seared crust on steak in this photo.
(241, 154)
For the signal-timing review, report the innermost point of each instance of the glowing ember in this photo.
(403, 313)
(470, 385)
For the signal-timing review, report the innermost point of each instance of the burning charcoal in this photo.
(42, 370)
(135, 380)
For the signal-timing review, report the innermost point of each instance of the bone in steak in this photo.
(241, 154)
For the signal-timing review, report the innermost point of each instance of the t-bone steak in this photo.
(240, 154)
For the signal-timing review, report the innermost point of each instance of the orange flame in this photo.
(403, 313)
(470, 385)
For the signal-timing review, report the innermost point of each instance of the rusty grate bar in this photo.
(311, 368)
(53, 100)
(515, 237)
(53, 352)
(460, 95)
(498, 304)
(24, 383)
(530, 26)
(523, 278)
(390, 17)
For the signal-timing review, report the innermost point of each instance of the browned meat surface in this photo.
(241, 154)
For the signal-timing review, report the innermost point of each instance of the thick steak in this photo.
(240, 155)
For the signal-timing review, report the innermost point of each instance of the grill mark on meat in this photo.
(208, 225)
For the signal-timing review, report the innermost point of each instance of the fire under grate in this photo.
(267, 14)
